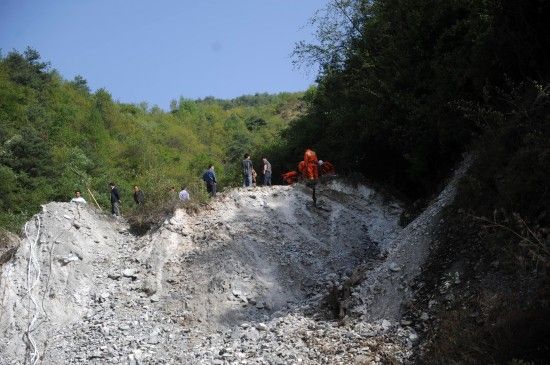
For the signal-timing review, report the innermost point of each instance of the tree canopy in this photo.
(56, 137)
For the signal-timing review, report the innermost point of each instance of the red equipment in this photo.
(311, 165)
(326, 168)
(290, 177)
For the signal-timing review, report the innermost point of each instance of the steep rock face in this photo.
(387, 286)
(245, 280)
(53, 274)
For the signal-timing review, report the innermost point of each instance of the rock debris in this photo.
(261, 277)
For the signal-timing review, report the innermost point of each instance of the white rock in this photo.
(129, 273)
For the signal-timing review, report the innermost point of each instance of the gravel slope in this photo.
(245, 281)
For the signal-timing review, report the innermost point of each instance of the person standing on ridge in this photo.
(267, 171)
(115, 200)
(209, 178)
(78, 198)
(247, 170)
(138, 195)
(183, 194)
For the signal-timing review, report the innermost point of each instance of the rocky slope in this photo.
(260, 277)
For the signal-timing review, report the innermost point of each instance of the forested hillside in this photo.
(404, 89)
(405, 86)
(56, 136)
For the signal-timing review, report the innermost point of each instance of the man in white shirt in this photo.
(78, 198)
(184, 194)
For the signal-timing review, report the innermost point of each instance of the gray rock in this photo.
(261, 327)
(394, 267)
(68, 259)
(129, 273)
(154, 298)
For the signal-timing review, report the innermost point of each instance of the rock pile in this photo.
(256, 278)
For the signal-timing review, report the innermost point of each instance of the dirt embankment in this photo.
(252, 280)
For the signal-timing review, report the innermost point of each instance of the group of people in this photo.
(114, 197)
(250, 175)
(310, 168)
(248, 171)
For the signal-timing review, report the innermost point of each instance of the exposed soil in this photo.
(259, 277)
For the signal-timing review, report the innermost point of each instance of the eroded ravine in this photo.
(241, 282)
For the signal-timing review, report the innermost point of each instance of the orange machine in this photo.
(302, 167)
(326, 168)
(311, 165)
(290, 177)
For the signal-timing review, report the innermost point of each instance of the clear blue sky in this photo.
(156, 51)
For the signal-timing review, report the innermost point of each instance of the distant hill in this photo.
(56, 137)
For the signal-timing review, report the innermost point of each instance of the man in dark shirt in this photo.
(115, 200)
(209, 178)
(247, 170)
(138, 195)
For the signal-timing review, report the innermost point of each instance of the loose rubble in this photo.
(249, 280)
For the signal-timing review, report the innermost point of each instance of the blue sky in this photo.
(156, 51)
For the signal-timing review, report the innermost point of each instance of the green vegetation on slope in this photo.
(399, 78)
(56, 136)
(405, 87)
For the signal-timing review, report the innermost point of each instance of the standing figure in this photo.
(115, 200)
(247, 170)
(184, 194)
(138, 195)
(267, 172)
(78, 198)
(209, 178)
